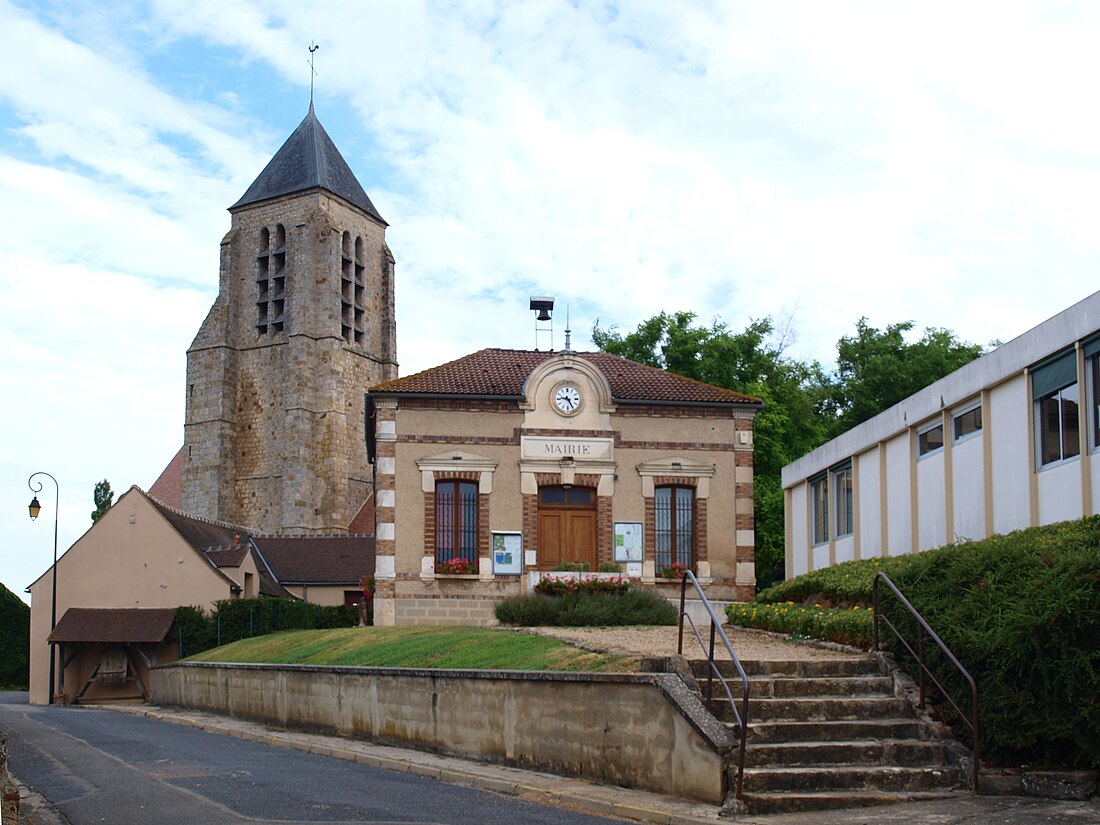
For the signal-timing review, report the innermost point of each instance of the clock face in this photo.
(567, 399)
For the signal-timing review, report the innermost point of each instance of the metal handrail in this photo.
(918, 654)
(741, 716)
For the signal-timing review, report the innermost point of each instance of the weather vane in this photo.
(312, 72)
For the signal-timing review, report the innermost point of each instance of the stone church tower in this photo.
(303, 324)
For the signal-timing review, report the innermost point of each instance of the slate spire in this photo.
(309, 159)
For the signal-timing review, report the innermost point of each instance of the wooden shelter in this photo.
(108, 651)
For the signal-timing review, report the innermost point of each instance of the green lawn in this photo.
(452, 648)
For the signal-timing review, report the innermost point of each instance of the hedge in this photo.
(1021, 611)
(234, 619)
(15, 640)
(587, 608)
(852, 626)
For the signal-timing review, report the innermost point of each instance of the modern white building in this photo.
(1003, 443)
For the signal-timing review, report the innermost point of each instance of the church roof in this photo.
(309, 159)
(168, 488)
(503, 373)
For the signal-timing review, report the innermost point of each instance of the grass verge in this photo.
(450, 648)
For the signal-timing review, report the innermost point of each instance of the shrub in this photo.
(550, 586)
(848, 582)
(572, 567)
(850, 627)
(610, 567)
(630, 606)
(195, 631)
(526, 611)
(1021, 612)
(635, 606)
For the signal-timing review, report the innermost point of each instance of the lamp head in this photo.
(34, 508)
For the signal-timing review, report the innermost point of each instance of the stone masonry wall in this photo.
(275, 427)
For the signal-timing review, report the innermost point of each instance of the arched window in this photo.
(674, 527)
(351, 289)
(456, 523)
(278, 280)
(263, 282)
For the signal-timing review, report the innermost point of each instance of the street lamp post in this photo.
(35, 508)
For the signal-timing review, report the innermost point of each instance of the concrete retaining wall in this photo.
(638, 730)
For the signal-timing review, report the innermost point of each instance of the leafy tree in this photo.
(15, 640)
(753, 362)
(803, 406)
(878, 368)
(102, 496)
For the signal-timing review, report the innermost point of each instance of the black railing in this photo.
(741, 716)
(923, 630)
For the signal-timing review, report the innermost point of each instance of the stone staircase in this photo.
(830, 733)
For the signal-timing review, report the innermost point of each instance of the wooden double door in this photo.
(567, 526)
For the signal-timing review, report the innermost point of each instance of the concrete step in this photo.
(816, 709)
(782, 802)
(904, 752)
(852, 778)
(762, 733)
(765, 687)
(802, 668)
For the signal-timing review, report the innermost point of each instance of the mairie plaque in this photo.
(556, 448)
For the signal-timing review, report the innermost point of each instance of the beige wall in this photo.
(132, 557)
(642, 731)
(322, 594)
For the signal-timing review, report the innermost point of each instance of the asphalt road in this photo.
(101, 766)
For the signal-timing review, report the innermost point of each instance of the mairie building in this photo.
(497, 468)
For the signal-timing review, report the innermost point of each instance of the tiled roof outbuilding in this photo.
(317, 559)
(114, 625)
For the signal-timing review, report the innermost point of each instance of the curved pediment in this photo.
(587, 395)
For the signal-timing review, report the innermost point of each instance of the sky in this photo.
(809, 162)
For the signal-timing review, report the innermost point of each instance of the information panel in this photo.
(507, 553)
(628, 541)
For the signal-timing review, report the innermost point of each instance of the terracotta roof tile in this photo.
(114, 625)
(363, 523)
(503, 372)
(169, 484)
(318, 559)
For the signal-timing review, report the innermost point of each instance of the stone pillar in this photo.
(385, 480)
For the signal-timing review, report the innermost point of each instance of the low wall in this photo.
(638, 730)
(9, 793)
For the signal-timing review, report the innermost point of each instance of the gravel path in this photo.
(749, 645)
